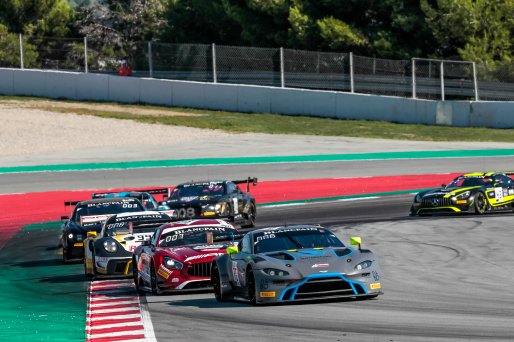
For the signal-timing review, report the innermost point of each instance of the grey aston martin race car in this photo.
(292, 263)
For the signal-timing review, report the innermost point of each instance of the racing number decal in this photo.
(498, 194)
(235, 273)
(186, 212)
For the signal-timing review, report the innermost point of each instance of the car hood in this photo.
(314, 261)
(446, 192)
(195, 254)
(131, 241)
(192, 201)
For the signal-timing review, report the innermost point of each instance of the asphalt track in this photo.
(444, 278)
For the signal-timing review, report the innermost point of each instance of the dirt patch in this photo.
(114, 108)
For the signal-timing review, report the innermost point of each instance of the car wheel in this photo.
(252, 293)
(153, 281)
(480, 203)
(216, 284)
(250, 217)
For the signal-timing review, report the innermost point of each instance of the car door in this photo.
(239, 263)
(506, 184)
(236, 198)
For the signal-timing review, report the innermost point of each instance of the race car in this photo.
(144, 196)
(472, 192)
(294, 263)
(214, 199)
(179, 254)
(89, 216)
(110, 252)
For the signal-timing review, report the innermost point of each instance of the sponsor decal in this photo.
(511, 191)
(505, 192)
(268, 294)
(235, 273)
(320, 265)
(375, 286)
(461, 202)
(101, 259)
(498, 194)
(188, 199)
(175, 280)
(376, 276)
(163, 274)
(490, 194)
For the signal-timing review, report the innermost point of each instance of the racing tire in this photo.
(250, 217)
(216, 284)
(480, 203)
(252, 291)
(153, 281)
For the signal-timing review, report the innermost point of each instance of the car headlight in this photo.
(172, 264)
(464, 195)
(213, 207)
(363, 265)
(417, 198)
(274, 272)
(70, 236)
(110, 246)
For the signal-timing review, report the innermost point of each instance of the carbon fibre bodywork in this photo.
(472, 192)
(264, 269)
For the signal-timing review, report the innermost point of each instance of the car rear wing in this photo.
(248, 181)
(156, 191)
(70, 203)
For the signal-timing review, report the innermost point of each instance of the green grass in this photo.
(285, 124)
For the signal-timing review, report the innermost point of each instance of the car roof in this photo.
(204, 182)
(108, 200)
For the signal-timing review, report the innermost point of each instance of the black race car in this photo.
(220, 199)
(89, 216)
(472, 192)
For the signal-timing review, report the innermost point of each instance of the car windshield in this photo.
(195, 236)
(294, 238)
(107, 208)
(122, 228)
(460, 182)
(198, 190)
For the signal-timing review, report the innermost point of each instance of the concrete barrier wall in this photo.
(254, 99)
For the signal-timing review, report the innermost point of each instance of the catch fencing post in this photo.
(150, 61)
(413, 78)
(475, 81)
(352, 87)
(442, 80)
(214, 71)
(282, 76)
(85, 56)
(21, 52)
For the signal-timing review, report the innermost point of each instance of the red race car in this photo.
(179, 255)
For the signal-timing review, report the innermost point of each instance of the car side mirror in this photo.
(91, 234)
(232, 250)
(443, 185)
(355, 240)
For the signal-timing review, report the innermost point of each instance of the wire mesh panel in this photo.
(495, 83)
(10, 50)
(248, 65)
(458, 80)
(316, 70)
(427, 75)
(54, 53)
(382, 76)
(191, 62)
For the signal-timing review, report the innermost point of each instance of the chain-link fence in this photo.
(417, 78)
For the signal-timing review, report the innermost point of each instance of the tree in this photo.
(37, 18)
(10, 50)
(477, 30)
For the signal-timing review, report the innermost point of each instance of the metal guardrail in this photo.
(278, 67)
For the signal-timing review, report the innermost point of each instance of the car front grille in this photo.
(436, 202)
(202, 269)
(325, 287)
